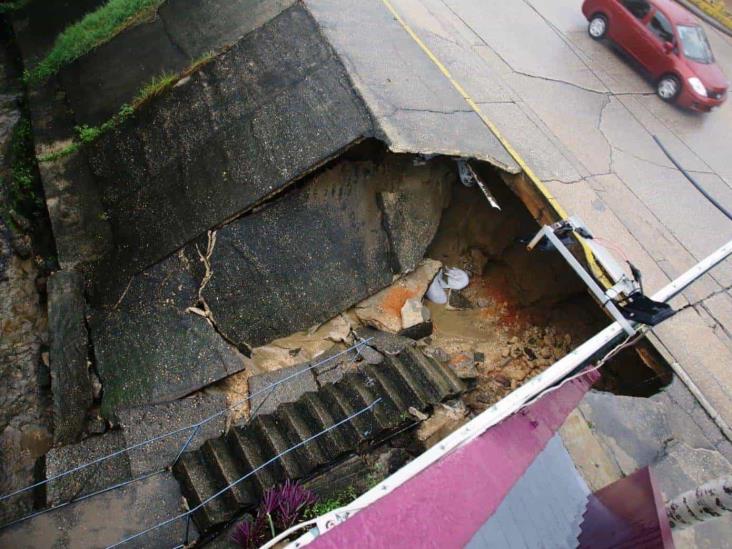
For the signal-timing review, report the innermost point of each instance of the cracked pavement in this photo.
(583, 118)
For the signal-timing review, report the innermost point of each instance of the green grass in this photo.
(13, 5)
(156, 86)
(321, 507)
(86, 134)
(22, 184)
(94, 29)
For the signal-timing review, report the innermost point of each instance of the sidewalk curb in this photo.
(705, 17)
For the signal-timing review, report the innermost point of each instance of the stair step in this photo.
(330, 442)
(218, 456)
(418, 384)
(445, 381)
(290, 414)
(385, 412)
(266, 430)
(248, 453)
(392, 384)
(198, 485)
(337, 399)
(399, 383)
(344, 437)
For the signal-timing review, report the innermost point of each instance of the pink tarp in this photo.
(446, 504)
(627, 513)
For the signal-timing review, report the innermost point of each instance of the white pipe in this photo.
(513, 401)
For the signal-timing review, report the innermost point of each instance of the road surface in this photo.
(583, 118)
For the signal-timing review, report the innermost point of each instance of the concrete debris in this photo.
(70, 381)
(418, 331)
(421, 416)
(370, 355)
(303, 346)
(413, 313)
(457, 301)
(438, 353)
(386, 343)
(383, 310)
(443, 421)
(464, 365)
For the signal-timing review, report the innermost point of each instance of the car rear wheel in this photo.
(597, 28)
(668, 87)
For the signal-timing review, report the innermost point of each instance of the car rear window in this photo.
(695, 44)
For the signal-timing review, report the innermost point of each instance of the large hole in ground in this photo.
(522, 310)
(520, 313)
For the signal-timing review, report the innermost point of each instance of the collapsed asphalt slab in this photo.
(242, 147)
(149, 349)
(272, 108)
(294, 263)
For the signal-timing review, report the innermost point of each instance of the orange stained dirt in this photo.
(395, 298)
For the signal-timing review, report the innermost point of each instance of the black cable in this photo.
(693, 181)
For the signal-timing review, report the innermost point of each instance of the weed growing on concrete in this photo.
(158, 85)
(20, 188)
(155, 87)
(328, 505)
(86, 134)
(94, 29)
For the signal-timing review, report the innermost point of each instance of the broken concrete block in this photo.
(70, 382)
(145, 422)
(418, 331)
(463, 365)
(413, 313)
(226, 139)
(299, 261)
(386, 343)
(263, 400)
(107, 518)
(383, 310)
(95, 477)
(441, 423)
(149, 348)
(135, 426)
(412, 213)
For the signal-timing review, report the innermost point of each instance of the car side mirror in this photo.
(668, 48)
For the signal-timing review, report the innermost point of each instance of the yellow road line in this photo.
(553, 202)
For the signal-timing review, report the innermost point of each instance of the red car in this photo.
(667, 41)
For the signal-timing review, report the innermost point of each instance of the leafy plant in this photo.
(94, 29)
(321, 508)
(281, 508)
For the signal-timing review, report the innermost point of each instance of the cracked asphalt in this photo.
(583, 118)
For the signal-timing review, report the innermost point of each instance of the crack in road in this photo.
(701, 301)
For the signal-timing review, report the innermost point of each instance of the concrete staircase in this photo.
(406, 380)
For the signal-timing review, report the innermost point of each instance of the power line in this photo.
(156, 438)
(241, 479)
